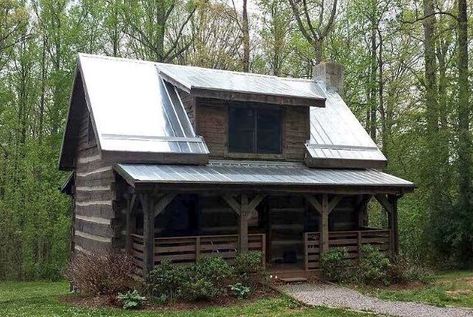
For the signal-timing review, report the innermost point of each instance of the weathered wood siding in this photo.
(211, 122)
(188, 103)
(94, 194)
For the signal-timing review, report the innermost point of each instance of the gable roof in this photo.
(133, 110)
(137, 112)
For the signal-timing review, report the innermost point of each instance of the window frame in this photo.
(256, 108)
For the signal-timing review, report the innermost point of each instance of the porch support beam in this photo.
(245, 209)
(162, 202)
(148, 232)
(324, 209)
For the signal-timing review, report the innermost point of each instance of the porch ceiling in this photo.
(259, 174)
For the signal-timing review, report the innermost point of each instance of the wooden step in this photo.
(293, 279)
(281, 274)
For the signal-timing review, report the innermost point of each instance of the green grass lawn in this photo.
(42, 299)
(446, 289)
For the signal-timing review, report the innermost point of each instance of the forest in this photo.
(407, 71)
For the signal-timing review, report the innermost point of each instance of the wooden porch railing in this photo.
(189, 249)
(350, 240)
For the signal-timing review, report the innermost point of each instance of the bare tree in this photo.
(315, 31)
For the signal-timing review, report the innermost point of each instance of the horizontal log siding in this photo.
(211, 122)
(94, 195)
(296, 132)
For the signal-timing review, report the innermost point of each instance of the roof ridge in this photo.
(141, 61)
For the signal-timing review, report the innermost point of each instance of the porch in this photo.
(189, 249)
(291, 223)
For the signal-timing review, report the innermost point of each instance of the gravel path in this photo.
(341, 297)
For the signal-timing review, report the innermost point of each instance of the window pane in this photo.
(241, 130)
(269, 131)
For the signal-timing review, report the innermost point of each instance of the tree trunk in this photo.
(372, 95)
(246, 38)
(464, 138)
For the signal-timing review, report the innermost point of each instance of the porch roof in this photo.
(261, 173)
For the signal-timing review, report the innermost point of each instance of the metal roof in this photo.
(134, 109)
(213, 79)
(335, 133)
(256, 173)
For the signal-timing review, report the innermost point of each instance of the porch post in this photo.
(395, 229)
(324, 210)
(148, 233)
(245, 209)
(389, 203)
(324, 235)
(243, 225)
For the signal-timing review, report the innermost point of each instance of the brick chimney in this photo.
(330, 75)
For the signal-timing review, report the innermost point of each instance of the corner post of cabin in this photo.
(148, 231)
(129, 222)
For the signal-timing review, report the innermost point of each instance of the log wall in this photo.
(95, 215)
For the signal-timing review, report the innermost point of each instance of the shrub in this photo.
(200, 281)
(166, 280)
(334, 266)
(131, 300)
(199, 288)
(101, 274)
(215, 269)
(373, 266)
(404, 271)
(206, 279)
(239, 290)
(248, 267)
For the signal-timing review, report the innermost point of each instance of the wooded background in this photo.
(407, 66)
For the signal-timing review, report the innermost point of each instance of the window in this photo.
(254, 130)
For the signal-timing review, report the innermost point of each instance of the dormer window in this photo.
(254, 129)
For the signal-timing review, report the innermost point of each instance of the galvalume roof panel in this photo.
(134, 109)
(257, 173)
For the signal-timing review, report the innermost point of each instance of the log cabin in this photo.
(179, 162)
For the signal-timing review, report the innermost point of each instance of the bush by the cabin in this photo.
(206, 279)
(165, 281)
(372, 267)
(248, 267)
(403, 271)
(334, 265)
(200, 281)
(101, 274)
